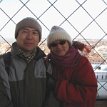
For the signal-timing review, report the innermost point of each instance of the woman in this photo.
(75, 81)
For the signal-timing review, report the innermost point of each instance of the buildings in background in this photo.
(98, 53)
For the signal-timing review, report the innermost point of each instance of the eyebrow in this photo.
(30, 29)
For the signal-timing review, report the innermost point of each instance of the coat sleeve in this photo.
(78, 45)
(4, 87)
(82, 89)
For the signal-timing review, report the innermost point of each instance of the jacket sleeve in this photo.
(4, 97)
(82, 89)
(78, 45)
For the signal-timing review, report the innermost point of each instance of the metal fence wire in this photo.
(85, 20)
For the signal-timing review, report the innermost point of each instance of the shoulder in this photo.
(2, 65)
(82, 60)
(1, 56)
(85, 64)
(5, 59)
(81, 56)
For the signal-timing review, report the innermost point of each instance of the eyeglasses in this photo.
(54, 44)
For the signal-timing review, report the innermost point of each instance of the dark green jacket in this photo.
(25, 85)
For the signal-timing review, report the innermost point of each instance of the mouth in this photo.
(28, 44)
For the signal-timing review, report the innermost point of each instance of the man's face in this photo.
(27, 39)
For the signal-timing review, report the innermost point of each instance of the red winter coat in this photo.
(77, 86)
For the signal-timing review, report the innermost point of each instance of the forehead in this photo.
(28, 28)
(58, 40)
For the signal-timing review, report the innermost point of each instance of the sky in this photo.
(88, 21)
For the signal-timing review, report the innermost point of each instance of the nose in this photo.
(29, 35)
(58, 45)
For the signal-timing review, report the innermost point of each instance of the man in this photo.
(24, 85)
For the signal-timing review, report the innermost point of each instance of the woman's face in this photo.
(59, 47)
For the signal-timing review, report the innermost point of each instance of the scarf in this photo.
(62, 63)
(66, 60)
(20, 53)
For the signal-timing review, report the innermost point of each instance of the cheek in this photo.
(19, 40)
(20, 37)
(36, 40)
(67, 48)
(19, 43)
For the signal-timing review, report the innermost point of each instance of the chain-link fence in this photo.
(85, 20)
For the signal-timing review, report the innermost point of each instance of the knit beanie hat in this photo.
(28, 22)
(58, 33)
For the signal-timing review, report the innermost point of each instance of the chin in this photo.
(61, 54)
(28, 49)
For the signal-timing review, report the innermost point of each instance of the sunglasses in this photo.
(54, 44)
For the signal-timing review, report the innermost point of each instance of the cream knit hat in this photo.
(28, 22)
(58, 33)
